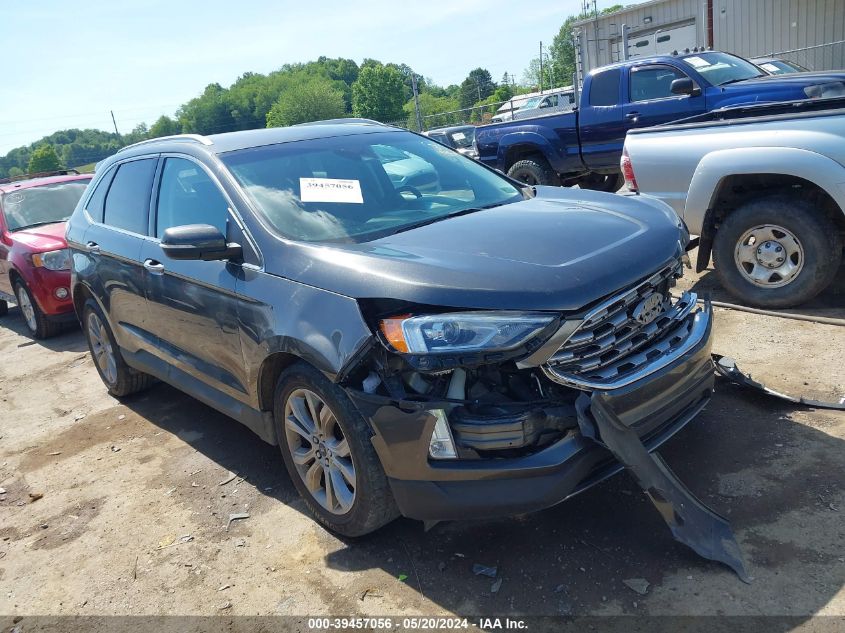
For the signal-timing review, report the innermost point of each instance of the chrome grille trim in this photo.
(679, 340)
(610, 343)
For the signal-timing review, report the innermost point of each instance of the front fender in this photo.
(716, 166)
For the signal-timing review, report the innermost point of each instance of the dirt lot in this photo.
(134, 512)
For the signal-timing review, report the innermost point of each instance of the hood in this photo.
(49, 237)
(788, 85)
(561, 250)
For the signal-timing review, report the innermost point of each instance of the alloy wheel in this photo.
(320, 451)
(27, 309)
(101, 348)
(769, 255)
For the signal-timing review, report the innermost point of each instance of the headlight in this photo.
(53, 260)
(463, 331)
(825, 91)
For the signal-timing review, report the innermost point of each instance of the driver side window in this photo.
(653, 82)
(187, 195)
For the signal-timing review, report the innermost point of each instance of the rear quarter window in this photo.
(127, 204)
(94, 206)
(604, 88)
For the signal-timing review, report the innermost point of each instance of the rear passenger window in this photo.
(95, 202)
(604, 89)
(128, 201)
(187, 195)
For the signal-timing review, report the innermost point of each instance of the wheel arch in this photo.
(724, 180)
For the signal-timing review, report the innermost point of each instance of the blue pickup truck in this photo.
(584, 146)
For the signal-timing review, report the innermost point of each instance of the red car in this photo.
(34, 258)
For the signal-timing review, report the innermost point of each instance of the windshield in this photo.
(462, 139)
(352, 188)
(780, 67)
(721, 68)
(44, 204)
(531, 103)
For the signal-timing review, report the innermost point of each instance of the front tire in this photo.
(36, 321)
(534, 171)
(120, 379)
(326, 447)
(777, 252)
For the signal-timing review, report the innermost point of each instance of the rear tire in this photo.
(611, 183)
(752, 269)
(303, 396)
(36, 321)
(120, 379)
(534, 171)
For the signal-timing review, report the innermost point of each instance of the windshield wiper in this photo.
(35, 224)
(733, 81)
(453, 214)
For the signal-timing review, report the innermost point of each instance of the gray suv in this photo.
(411, 351)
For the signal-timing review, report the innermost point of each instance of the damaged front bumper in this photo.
(656, 405)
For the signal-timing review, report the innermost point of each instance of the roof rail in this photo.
(193, 138)
(39, 174)
(337, 121)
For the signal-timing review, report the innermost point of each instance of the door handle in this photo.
(153, 266)
(632, 116)
(93, 247)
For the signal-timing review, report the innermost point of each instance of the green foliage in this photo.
(44, 158)
(207, 114)
(431, 104)
(379, 93)
(164, 126)
(16, 171)
(562, 50)
(312, 101)
(476, 87)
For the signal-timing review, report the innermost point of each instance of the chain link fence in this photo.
(829, 56)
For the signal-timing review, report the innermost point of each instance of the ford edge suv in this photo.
(414, 352)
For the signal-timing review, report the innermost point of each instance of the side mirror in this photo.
(198, 242)
(685, 86)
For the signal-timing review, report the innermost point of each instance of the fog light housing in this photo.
(442, 446)
(61, 293)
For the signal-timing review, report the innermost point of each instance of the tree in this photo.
(431, 105)
(562, 50)
(305, 102)
(378, 93)
(164, 126)
(477, 86)
(44, 158)
(207, 114)
(15, 171)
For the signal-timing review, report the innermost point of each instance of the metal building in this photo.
(810, 32)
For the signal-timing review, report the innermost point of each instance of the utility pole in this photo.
(596, 31)
(115, 122)
(416, 102)
(541, 67)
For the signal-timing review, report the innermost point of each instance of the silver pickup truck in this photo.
(762, 185)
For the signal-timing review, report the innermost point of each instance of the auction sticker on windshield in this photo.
(330, 190)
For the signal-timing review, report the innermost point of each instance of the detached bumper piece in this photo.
(726, 367)
(691, 522)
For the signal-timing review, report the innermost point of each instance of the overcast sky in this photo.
(66, 64)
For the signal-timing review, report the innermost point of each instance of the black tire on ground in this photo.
(4, 308)
(534, 171)
(41, 327)
(610, 183)
(817, 235)
(127, 380)
(373, 505)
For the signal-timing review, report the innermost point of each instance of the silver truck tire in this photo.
(777, 252)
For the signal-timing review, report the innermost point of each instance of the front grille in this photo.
(611, 342)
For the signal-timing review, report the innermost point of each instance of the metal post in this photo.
(416, 102)
(541, 67)
(596, 31)
(115, 122)
(625, 42)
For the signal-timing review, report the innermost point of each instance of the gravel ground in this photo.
(133, 517)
